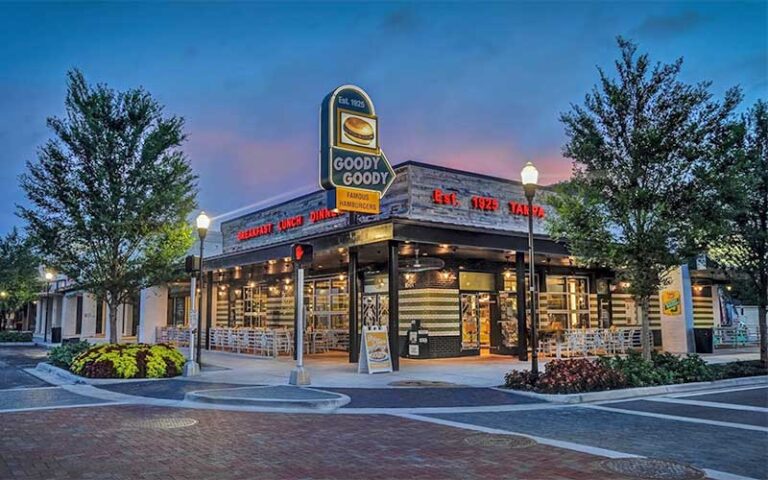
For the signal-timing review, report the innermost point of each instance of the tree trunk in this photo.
(761, 320)
(645, 322)
(113, 321)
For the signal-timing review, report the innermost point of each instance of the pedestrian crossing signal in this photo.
(302, 253)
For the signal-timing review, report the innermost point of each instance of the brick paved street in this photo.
(116, 443)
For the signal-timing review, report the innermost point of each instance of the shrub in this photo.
(638, 372)
(568, 376)
(129, 361)
(15, 336)
(738, 369)
(64, 354)
(691, 368)
(606, 373)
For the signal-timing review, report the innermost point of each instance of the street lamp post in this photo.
(203, 222)
(530, 177)
(3, 297)
(48, 278)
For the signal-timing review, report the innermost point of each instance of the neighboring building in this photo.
(65, 311)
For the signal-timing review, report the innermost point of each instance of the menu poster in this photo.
(374, 351)
(671, 302)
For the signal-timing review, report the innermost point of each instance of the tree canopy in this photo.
(647, 190)
(19, 275)
(743, 250)
(110, 194)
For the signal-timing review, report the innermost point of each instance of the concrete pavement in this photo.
(723, 431)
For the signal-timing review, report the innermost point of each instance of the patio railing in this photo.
(590, 342)
(176, 336)
(259, 342)
(734, 337)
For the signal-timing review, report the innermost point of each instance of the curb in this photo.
(639, 392)
(55, 375)
(17, 344)
(324, 404)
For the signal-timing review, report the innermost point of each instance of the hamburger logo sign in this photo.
(352, 166)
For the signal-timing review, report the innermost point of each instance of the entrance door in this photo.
(475, 321)
(375, 309)
(507, 341)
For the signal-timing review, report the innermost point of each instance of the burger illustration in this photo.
(358, 130)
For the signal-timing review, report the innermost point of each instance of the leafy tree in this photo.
(646, 191)
(110, 194)
(744, 248)
(19, 276)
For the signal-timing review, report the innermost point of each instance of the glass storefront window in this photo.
(328, 303)
(567, 302)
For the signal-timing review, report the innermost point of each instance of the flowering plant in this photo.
(568, 376)
(137, 360)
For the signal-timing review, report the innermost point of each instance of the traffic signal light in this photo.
(302, 253)
(191, 263)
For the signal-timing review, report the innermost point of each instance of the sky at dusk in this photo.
(472, 86)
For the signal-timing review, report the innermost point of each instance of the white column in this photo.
(68, 315)
(152, 313)
(39, 316)
(676, 309)
(89, 316)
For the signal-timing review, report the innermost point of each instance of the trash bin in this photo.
(423, 337)
(413, 340)
(55, 334)
(702, 339)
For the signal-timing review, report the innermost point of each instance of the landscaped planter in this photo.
(136, 360)
(604, 377)
(626, 393)
(133, 360)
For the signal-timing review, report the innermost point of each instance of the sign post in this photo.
(191, 367)
(302, 256)
(353, 168)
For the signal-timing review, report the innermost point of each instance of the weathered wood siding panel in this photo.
(394, 203)
(423, 182)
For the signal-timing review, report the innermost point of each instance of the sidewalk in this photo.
(333, 369)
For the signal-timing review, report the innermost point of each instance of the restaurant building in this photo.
(446, 258)
(448, 250)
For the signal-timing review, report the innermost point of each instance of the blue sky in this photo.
(469, 85)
